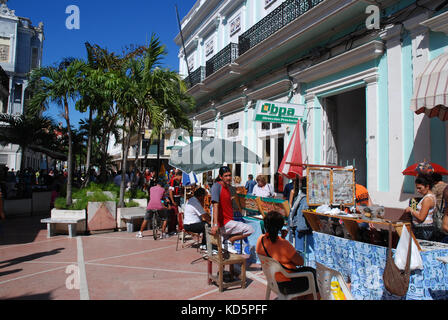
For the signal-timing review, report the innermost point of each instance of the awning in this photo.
(431, 89)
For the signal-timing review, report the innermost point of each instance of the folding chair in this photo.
(271, 266)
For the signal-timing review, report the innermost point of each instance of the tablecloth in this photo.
(365, 263)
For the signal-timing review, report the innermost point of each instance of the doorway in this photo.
(344, 136)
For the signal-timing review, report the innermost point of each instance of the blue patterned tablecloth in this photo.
(365, 263)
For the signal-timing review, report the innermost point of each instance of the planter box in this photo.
(107, 193)
(101, 216)
(18, 208)
(128, 211)
(41, 202)
(143, 203)
(69, 214)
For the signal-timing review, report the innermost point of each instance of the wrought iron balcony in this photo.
(221, 59)
(284, 14)
(195, 77)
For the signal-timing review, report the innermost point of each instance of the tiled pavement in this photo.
(112, 266)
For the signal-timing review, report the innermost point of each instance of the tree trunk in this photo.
(137, 153)
(124, 164)
(69, 157)
(22, 160)
(89, 150)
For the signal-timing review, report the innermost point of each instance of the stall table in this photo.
(351, 224)
(364, 263)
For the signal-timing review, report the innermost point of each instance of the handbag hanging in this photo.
(395, 280)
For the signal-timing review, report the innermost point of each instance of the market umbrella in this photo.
(209, 154)
(189, 178)
(431, 89)
(425, 167)
(295, 154)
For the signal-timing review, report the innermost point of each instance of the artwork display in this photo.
(318, 186)
(343, 187)
(330, 186)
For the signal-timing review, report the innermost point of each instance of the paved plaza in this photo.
(112, 266)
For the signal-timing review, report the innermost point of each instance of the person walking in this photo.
(222, 218)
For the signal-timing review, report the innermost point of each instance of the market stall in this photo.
(330, 196)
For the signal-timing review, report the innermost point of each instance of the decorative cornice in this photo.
(6, 12)
(271, 90)
(438, 23)
(231, 105)
(354, 57)
(413, 25)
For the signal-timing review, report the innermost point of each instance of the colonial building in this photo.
(352, 63)
(21, 46)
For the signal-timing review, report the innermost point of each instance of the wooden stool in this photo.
(222, 259)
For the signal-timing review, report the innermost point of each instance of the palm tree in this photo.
(59, 85)
(159, 94)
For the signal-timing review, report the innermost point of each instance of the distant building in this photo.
(21, 46)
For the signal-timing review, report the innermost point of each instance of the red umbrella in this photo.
(425, 167)
(295, 154)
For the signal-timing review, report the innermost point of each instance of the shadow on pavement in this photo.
(30, 257)
(21, 230)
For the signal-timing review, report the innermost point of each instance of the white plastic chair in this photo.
(270, 267)
(324, 277)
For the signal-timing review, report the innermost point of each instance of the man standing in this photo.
(250, 184)
(222, 219)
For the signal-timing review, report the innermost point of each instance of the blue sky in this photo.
(110, 24)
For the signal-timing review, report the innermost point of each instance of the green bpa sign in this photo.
(278, 112)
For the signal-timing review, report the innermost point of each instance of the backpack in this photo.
(296, 218)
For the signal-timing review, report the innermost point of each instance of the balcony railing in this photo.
(221, 59)
(284, 14)
(195, 77)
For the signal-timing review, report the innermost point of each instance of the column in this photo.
(274, 157)
(314, 128)
(394, 63)
(420, 56)
(372, 133)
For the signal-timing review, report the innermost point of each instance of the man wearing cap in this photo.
(222, 219)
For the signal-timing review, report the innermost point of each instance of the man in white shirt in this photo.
(195, 216)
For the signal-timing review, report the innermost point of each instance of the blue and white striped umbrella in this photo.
(189, 178)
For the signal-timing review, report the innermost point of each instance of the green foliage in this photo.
(131, 204)
(135, 194)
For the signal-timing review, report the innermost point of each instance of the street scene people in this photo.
(302, 136)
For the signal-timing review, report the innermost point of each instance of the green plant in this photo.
(136, 194)
(131, 204)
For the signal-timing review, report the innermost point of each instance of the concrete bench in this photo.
(69, 217)
(71, 223)
(130, 215)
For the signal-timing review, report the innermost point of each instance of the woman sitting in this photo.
(422, 217)
(279, 249)
(262, 188)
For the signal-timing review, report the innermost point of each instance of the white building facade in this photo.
(21, 46)
(355, 78)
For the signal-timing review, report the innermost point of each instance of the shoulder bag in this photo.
(395, 280)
